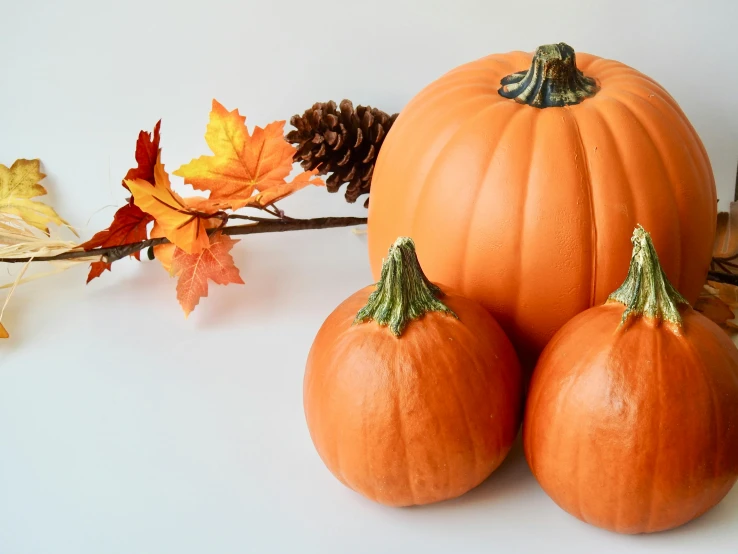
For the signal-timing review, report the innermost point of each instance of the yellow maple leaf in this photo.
(243, 164)
(3, 333)
(176, 221)
(18, 185)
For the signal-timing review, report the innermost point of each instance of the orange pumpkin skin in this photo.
(635, 430)
(418, 418)
(527, 210)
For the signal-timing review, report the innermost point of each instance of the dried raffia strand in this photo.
(403, 292)
(646, 290)
(3, 332)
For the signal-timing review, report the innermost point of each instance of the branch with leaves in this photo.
(189, 236)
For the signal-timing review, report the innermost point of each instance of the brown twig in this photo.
(263, 225)
(721, 277)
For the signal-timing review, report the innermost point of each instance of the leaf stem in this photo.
(721, 277)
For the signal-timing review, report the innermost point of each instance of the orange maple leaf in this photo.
(164, 252)
(183, 226)
(243, 164)
(3, 333)
(277, 192)
(194, 270)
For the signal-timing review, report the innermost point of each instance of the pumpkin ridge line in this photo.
(521, 225)
(700, 164)
(618, 157)
(462, 406)
(646, 83)
(666, 171)
(659, 422)
(615, 346)
(397, 408)
(368, 461)
(480, 184)
(422, 188)
(711, 388)
(441, 431)
(592, 215)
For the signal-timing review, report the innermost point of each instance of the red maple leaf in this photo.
(130, 222)
(147, 151)
(96, 269)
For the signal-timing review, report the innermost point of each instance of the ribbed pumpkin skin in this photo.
(529, 210)
(416, 419)
(634, 431)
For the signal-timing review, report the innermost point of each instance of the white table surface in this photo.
(126, 429)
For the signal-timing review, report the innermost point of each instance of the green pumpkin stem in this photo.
(553, 80)
(403, 293)
(646, 290)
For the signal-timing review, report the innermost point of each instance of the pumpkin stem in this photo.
(403, 292)
(646, 290)
(553, 80)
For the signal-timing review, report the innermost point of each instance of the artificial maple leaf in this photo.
(714, 309)
(18, 184)
(277, 192)
(179, 223)
(129, 222)
(147, 152)
(243, 164)
(3, 333)
(164, 252)
(97, 269)
(718, 302)
(128, 226)
(726, 292)
(214, 263)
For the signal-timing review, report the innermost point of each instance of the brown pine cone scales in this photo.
(342, 141)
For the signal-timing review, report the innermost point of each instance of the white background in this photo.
(125, 428)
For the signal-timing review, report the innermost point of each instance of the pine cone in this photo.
(344, 142)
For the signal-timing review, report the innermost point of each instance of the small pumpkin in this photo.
(521, 176)
(631, 421)
(412, 393)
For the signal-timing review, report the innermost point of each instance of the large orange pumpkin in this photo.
(522, 196)
(631, 422)
(412, 394)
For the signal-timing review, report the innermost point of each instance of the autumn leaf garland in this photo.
(189, 235)
(245, 170)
